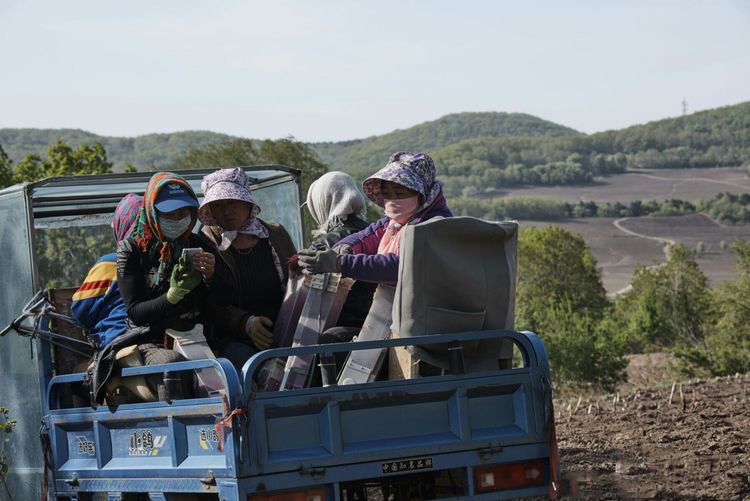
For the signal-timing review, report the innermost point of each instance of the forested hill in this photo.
(725, 127)
(718, 137)
(359, 157)
(476, 153)
(145, 152)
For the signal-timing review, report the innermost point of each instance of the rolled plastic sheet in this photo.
(271, 372)
(326, 294)
(193, 346)
(363, 366)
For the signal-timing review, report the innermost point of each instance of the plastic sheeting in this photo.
(363, 366)
(19, 387)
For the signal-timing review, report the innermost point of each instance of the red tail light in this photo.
(317, 494)
(509, 476)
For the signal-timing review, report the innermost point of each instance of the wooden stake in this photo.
(682, 398)
(671, 393)
(578, 404)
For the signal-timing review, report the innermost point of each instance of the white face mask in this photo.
(173, 228)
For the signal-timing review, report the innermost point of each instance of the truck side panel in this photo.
(350, 424)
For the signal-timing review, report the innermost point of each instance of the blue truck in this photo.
(479, 435)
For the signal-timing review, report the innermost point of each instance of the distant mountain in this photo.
(484, 166)
(359, 157)
(726, 127)
(476, 153)
(145, 152)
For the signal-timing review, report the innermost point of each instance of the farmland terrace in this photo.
(661, 184)
(619, 252)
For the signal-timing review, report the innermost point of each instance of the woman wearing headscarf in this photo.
(407, 190)
(160, 288)
(97, 304)
(339, 208)
(251, 269)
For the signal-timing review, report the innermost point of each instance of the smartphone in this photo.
(189, 252)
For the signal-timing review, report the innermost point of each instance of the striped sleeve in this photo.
(91, 296)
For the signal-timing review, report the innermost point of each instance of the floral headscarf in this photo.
(126, 213)
(229, 184)
(415, 171)
(147, 234)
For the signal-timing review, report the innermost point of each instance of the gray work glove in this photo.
(256, 328)
(325, 261)
(343, 249)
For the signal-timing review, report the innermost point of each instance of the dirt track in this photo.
(641, 446)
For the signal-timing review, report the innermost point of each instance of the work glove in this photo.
(343, 249)
(184, 279)
(325, 261)
(255, 327)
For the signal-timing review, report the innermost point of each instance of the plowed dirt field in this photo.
(646, 445)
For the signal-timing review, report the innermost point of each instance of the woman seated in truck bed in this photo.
(161, 288)
(339, 208)
(252, 266)
(97, 304)
(407, 190)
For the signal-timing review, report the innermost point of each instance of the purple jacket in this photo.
(366, 264)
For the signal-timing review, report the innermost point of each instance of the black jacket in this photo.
(229, 318)
(148, 305)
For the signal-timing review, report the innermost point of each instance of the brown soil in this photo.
(619, 253)
(657, 184)
(639, 445)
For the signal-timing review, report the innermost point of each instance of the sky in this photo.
(331, 70)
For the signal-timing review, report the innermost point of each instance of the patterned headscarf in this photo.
(230, 184)
(415, 171)
(332, 198)
(147, 234)
(126, 213)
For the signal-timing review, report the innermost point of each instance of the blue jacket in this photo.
(97, 304)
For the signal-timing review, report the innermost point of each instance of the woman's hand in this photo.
(205, 264)
(319, 262)
(258, 330)
(184, 279)
(343, 249)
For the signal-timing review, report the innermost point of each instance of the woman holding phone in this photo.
(161, 287)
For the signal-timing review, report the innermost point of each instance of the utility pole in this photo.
(684, 107)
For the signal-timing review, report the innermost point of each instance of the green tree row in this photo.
(724, 207)
(61, 160)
